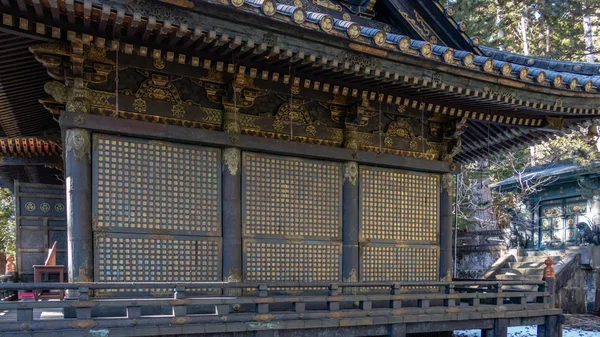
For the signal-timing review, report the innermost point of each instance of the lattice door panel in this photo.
(147, 186)
(287, 261)
(383, 262)
(398, 205)
(291, 197)
(134, 258)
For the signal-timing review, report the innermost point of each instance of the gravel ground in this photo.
(575, 326)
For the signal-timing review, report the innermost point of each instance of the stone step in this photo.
(538, 258)
(505, 277)
(544, 252)
(530, 271)
(532, 265)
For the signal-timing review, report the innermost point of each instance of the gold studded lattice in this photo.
(292, 261)
(398, 205)
(399, 264)
(146, 186)
(128, 258)
(286, 196)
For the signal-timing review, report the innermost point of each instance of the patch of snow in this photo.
(528, 331)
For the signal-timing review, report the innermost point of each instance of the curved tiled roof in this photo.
(574, 76)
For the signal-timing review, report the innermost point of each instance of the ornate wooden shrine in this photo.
(266, 142)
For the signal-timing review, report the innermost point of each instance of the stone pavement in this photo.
(583, 322)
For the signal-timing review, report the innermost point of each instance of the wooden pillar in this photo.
(446, 227)
(397, 330)
(232, 215)
(551, 328)
(500, 329)
(350, 223)
(79, 202)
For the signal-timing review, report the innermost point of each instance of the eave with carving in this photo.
(197, 65)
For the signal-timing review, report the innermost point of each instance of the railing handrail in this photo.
(237, 285)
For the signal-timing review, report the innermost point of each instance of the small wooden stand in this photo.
(38, 275)
(49, 267)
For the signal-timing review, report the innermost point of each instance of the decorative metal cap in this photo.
(506, 69)
(379, 38)
(299, 16)
(557, 82)
(589, 85)
(573, 84)
(326, 23)
(549, 270)
(268, 7)
(462, 26)
(426, 49)
(353, 31)
(450, 11)
(523, 73)
(404, 43)
(449, 55)
(476, 40)
(469, 59)
(541, 77)
(237, 3)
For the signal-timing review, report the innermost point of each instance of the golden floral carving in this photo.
(139, 105)
(178, 110)
(159, 63)
(351, 174)
(78, 144)
(231, 161)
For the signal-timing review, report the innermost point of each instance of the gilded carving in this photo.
(57, 90)
(351, 174)
(213, 116)
(75, 98)
(447, 183)
(231, 161)
(178, 110)
(554, 123)
(310, 130)
(159, 63)
(139, 105)
(352, 277)
(92, 52)
(328, 4)
(78, 144)
(180, 3)
(234, 274)
(364, 61)
(502, 93)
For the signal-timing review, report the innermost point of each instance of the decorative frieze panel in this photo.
(383, 263)
(284, 261)
(398, 205)
(156, 187)
(291, 197)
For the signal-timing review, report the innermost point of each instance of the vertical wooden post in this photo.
(552, 324)
(232, 219)
(500, 329)
(446, 228)
(350, 230)
(79, 203)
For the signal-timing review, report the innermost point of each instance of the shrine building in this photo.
(263, 167)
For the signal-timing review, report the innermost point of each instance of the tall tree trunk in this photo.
(524, 28)
(588, 35)
(500, 33)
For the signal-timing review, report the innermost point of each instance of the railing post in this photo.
(498, 290)
(395, 304)
(552, 327)
(24, 314)
(449, 302)
(333, 303)
(500, 329)
(83, 312)
(179, 309)
(262, 307)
